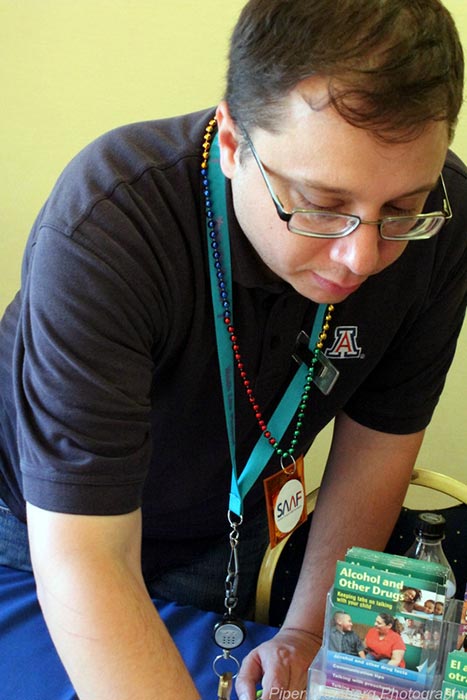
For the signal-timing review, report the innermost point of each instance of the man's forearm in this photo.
(111, 639)
(360, 498)
(103, 623)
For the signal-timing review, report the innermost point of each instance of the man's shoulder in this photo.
(455, 176)
(456, 164)
(122, 157)
(156, 143)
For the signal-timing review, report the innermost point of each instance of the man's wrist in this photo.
(315, 636)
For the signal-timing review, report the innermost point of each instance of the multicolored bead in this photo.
(231, 328)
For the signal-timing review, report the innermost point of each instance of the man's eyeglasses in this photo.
(327, 224)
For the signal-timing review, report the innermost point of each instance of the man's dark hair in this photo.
(391, 65)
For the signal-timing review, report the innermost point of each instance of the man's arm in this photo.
(363, 487)
(360, 498)
(107, 632)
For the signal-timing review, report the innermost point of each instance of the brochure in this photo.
(383, 626)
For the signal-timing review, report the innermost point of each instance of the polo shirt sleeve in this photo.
(83, 375)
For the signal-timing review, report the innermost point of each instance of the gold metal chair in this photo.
(280, 566)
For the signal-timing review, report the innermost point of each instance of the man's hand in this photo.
(279, 664)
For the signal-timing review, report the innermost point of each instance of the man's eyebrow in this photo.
(343, 192)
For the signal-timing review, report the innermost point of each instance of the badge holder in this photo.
(326, 375)
(285, 500)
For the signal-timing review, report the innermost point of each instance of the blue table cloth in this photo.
(30, 668)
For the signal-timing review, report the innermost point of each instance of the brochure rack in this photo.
(363, 597)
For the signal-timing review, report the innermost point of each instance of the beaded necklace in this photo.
(230, 328)
(230, 631)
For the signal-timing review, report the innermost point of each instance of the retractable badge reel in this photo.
(230, 632)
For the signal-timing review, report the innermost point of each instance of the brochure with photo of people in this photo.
(383, 625)
(454, 686)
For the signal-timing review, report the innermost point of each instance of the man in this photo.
(342, 638)
(113, 427)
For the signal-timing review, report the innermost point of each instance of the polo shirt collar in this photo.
(248, 269)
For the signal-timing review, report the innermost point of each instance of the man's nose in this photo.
(360, 251)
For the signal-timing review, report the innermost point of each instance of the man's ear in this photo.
(228, 140)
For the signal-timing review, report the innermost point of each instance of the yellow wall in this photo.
(72, 69)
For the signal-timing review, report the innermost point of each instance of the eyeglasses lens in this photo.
(335, 225)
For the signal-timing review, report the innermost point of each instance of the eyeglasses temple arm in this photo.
(446, 202)
(284, 215)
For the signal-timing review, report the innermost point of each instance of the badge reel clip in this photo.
(326, 375)
(230, 632)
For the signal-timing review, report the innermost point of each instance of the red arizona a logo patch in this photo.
(345, 343)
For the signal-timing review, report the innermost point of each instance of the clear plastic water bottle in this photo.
(429, 534)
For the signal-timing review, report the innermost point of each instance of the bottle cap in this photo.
(431, 525)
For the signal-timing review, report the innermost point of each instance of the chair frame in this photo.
(420, 477)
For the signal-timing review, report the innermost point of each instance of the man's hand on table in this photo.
(280, 663)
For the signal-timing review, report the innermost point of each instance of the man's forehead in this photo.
(319, 150)
(331, 189)
(308, 105)
(313, 95)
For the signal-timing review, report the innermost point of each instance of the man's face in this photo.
(346, 623)
(319, 161)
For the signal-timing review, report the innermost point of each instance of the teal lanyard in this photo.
(288, 405)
